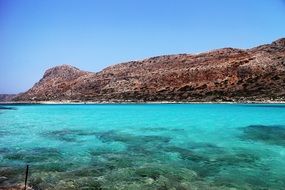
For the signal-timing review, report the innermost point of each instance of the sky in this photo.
(92, 34)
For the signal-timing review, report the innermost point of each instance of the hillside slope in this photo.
(7, 97)
(226, 74)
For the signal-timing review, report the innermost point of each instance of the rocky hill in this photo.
(227, 74)
(7, 97)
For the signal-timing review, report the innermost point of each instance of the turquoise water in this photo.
(147, 146)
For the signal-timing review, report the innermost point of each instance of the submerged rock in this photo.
(34, 155)
(68, 135)
(208, 163)
(110, 136)
(150, 172)
(53, 166)
(272, 134)
(185, 153)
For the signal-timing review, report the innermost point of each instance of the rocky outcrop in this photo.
(226, 74)
(55, 85)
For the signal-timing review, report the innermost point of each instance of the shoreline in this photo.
(149, 102)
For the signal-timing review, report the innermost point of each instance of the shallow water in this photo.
(144, 146)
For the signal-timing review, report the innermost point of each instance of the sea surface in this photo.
(144, 146)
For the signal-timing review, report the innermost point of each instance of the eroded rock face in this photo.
(226, 74)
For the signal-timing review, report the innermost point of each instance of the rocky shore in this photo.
(141, 102)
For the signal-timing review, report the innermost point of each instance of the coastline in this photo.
(141, 102)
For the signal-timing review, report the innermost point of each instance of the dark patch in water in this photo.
(205, 147)
(111, 136)
(10, 171)
(68, 135)
(158, 129)
(7, 108)
(177, 129)
(204, 158)
(105, 159)
(34, 155)
(151, 172)
(196, 161)
(52, 166)
(153, 129)
(137, 147)
(12, 175)
(3, 133)
(111, 160)
(62, 135)
(99, 151)
(215, 164)
(237, 159)
(170, 176)
(142, 150)
(6, 133)
(4, 151)
(154, 139)
(121, 160)
(185, 153)
(209, 163)
(236, 180)
(85, 172)
(272, 134)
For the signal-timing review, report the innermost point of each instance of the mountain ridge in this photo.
(226, 74)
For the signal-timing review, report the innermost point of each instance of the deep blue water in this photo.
(144, 146)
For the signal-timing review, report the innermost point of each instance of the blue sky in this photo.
(92, 34)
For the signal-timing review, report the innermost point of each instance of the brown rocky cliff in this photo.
(226, 74)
